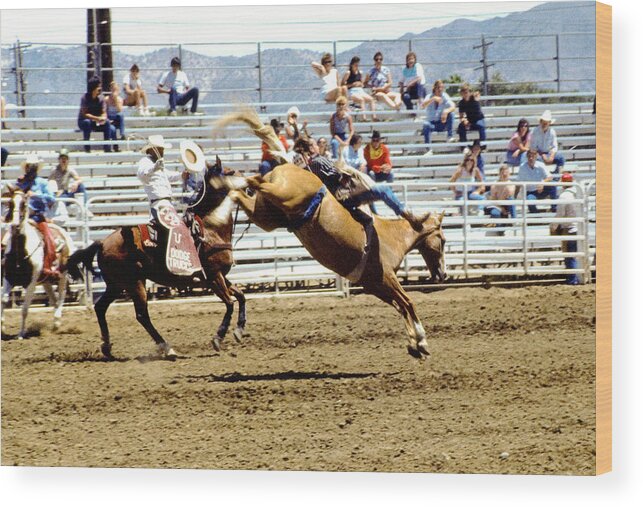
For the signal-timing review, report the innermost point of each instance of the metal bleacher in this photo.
(520, 247)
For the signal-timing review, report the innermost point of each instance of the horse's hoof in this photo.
(238, 334)
(216, 344)
(57, 325)
(20, 337)
(413, 352)
(107, 351)
(170, 354)
(423, 348)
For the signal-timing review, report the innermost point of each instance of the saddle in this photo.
(176, 239)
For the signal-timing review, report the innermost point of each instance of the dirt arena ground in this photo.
(319, 384)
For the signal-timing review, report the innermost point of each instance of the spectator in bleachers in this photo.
(412, 86)
(293, 128)
(354, 82)
(268, 162)
(332, 88)
(533, 170)
(439, 114)
(176, 84)
(545, 142)
(135, 96)
(67, 180)
(519, 144)
(92, 116)
(3, 112)
(468, 172)
(115, 114)
(567, 209)
(380, 80)
(471, 116)
(502, 193)
(378, 159)
(476, 149)
(341, 126)
(354, 154)
(324, 150)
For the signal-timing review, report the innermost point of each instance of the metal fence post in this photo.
(465, 223)
(335, 52)
(557, 58)
(524, 228)
(180, 54)
(259, 79)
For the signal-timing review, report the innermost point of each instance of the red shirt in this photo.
(376, 158)
(265, 153)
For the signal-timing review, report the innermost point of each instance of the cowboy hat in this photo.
(192, 156)
(64, 152)
(156, 141)
(376, 136)
(293, 110)
(546, 116)
(32, 159)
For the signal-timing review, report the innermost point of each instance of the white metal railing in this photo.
(477, 244)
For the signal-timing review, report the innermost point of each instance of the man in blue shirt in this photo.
(534, 171)
(40, 199)
(439, 113)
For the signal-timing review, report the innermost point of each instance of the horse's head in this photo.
(18, 209)
(431, 246)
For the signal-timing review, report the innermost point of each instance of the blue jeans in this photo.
(81, 189)
(417, 91)
(437, 126)
(547, 193)
(516, 161)
(266, 166)
(571, 262)
(559, 160)
(334, 143)
(118, 121)
(89, 126)
(479, 126)
(379, 192)
(381, 177)
(497, 211)
(180, 99)
(5, 156)
(472, 197)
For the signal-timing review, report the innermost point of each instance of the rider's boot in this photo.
(50, 252)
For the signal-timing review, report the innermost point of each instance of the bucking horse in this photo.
(370, 256)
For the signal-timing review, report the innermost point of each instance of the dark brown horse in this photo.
(125, 265)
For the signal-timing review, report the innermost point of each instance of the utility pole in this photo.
(485, 66)
(21, 82)
(99, 48)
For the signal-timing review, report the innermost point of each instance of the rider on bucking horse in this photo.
(40, 199)
(351, 189)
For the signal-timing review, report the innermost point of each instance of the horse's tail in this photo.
(84, 256)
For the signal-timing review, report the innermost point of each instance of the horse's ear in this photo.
(440, 218)
(219, 166)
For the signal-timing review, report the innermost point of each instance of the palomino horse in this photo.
(24, 259)
(292, 197)
(125, 264)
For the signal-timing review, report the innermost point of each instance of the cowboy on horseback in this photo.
(40, 198)
(351, 188)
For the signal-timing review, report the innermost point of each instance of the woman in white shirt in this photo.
(332, 88)
(176, 84)
(135, 96)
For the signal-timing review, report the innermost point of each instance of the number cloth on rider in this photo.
(156, 183)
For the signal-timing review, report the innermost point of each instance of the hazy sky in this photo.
(251, 23)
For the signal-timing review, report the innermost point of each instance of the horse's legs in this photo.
(25, 306)
(139, 296)
(241, 299)
(391, 292)
(62, 291)
(221, 290)
(53, 302)
(101, 306)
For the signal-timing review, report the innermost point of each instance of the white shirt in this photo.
(544, 142)
(567, 209)
(157, 184)
(178, 81)
(131, 82)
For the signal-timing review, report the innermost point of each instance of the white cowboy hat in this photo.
(192, 156)
(293, 110)
(156, 141)
(546, 116)
(32, 159)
